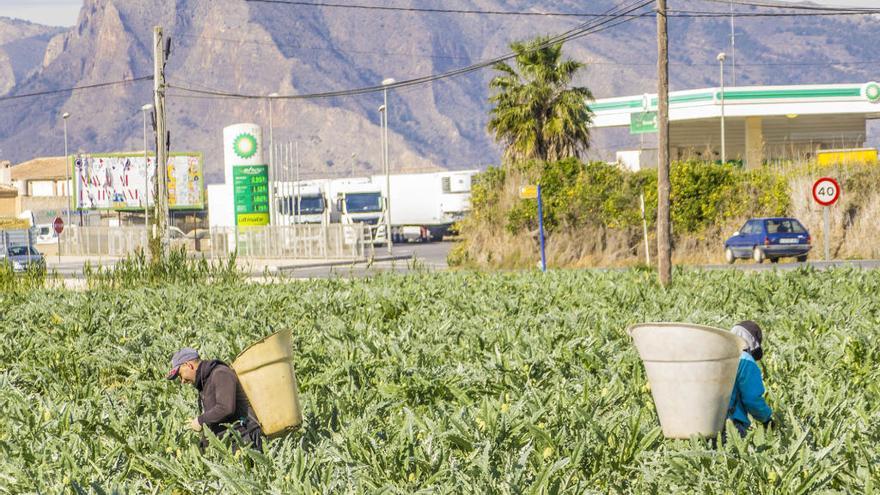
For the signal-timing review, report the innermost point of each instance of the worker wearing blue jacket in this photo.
(747, 397)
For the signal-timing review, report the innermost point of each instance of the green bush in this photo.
(598, 198)
(599, 194)
(485, 193)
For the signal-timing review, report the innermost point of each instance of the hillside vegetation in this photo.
(592, 212)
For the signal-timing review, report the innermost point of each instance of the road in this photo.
(820, 265)
(429, 256)
(432, 257)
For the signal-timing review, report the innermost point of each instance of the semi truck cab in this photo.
(363, 203)
(304, 204)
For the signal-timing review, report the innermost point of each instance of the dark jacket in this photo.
(222, 400)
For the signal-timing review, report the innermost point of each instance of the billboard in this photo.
(120, 181)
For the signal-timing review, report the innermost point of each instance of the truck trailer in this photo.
(423, 206)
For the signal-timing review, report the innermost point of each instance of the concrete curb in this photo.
(78, 272)
(377, 259)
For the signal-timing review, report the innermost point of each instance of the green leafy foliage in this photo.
(437, 383)
(175, 266)
(536, 114)
(596, 198)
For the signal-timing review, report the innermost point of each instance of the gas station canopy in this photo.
(762, 123)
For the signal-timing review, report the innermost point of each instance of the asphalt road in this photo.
(427, 256)
(820, 265)
(432, 257)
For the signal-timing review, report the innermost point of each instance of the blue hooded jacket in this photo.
(748, 393)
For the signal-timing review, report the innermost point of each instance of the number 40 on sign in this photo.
(826, 191)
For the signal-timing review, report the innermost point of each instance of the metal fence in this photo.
(101, 240)
(335, 241)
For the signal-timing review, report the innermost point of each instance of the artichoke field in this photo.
(452, 382)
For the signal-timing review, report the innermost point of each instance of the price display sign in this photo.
(251, 183)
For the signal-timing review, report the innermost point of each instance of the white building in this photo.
(762, 123)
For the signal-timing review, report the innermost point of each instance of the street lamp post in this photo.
(386, 83)
(272, 214)
(69, 183)
(144, 109)
(721, 56)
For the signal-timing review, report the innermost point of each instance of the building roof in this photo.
(751, 101)
(46, 168)
(8, 191)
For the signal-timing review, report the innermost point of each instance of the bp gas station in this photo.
(762, 124)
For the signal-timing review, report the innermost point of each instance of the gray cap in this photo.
(182, 356)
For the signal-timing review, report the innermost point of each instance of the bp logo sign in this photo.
(245, 145)
(872, 92)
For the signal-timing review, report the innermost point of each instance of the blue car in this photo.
(769, 238)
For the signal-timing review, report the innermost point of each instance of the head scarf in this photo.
(751, 333)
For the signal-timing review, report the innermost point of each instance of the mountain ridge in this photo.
(255, 48)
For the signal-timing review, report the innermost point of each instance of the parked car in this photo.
(23, 257)
(175, 233)
(769, 238)
(46, 234)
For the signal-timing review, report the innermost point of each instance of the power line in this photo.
(326, 49)
(431, 10)
(77, 88)
(468, 59)
(583, 30)
(698, 14)
(840, 11)
(776, 5)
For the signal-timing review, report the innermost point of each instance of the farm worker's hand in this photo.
(773, 423)
(195, 425)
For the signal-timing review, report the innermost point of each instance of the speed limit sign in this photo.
(826, 191)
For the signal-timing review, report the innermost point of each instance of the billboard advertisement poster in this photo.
(119, 181)
(185, 181)
(251, 193)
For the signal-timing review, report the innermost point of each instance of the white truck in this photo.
(423, 206)
(359, 201)
(302, 203)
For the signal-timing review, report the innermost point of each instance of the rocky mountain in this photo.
(22, 46)
(258, 48)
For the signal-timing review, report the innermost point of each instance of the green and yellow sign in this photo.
(642, 122)
(251, 192)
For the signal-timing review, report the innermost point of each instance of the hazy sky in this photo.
(64, 12)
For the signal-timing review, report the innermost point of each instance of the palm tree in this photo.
(537, 115)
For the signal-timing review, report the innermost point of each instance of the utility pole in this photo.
(144, 109)
(157, 243)
(732, 46)
(272, 214)
(664, 244)
(68, 186)
(388, 241)
(721, 57)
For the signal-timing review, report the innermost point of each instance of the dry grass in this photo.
(855, 229)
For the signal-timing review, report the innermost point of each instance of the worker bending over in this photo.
(222, 401)
(747, 397)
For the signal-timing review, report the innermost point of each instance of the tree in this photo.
(536, 114)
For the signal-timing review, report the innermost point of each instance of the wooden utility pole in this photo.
(157, 241)
(664, 245)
